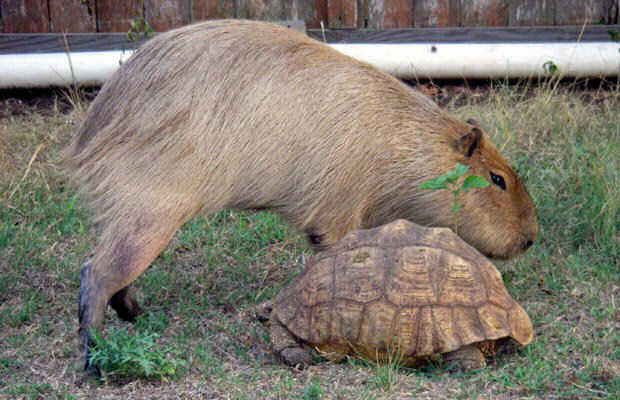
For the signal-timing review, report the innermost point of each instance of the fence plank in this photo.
(436, 13)
(312, 12)
(114, 15)
(55, 42)
(212, 9)
(484, 12)
(163, 15)
(72, 16)
(342, 14)
(269, 10)
(566, 34)
(530, 12)
(389, 14)
(611, 11)
(25, 16)
(576, 12)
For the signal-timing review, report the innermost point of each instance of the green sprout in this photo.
(449, 181)
(550, 68)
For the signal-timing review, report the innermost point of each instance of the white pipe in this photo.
(485, 60)
(55, 69)
(406, 61)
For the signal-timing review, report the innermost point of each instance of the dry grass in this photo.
(200, 292)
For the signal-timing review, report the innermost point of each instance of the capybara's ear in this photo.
(469, 141)
(473, 122)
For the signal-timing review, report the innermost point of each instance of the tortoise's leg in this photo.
(126, 307)
(467, 358)
(287, 346)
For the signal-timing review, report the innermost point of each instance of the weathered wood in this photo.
(312, 12)
(611, 11)
(578, 12)
(72, 16)
(114, 15)
(389, 14)
(342, 14)
(530, 12)
(164, 15)
(267, 10)
(27, 16)
(593, 33)
(45, 43)
(436, 13)
(212, 9)
(484, 12)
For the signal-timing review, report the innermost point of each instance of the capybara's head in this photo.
(499, 220)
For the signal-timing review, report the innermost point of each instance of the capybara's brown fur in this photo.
(248, 115)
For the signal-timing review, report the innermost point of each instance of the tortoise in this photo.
(399, 289)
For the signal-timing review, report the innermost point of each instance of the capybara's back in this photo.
(249, 115)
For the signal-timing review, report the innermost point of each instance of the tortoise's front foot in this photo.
(467, 358)
(296, 356)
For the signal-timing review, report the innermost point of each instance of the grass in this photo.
(200, 292)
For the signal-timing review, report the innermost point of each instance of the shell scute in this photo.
(316, 286)
(346, 323)
(494, 321)
(320, 325)
(411, 283)
(376, 328)
(460, 283)
(468, 325)
(446, 337)
(359, 274)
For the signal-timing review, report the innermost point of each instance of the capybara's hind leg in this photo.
(125, 305)
(119, 259)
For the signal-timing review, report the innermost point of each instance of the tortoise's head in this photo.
(263, 312)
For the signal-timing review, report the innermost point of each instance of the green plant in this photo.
(386, 373)
(449, 181)
(132, 355)
(139, 25)
(550, 68)
(313, 390)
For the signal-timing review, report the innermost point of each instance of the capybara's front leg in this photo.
(91, 309)
(119, 258)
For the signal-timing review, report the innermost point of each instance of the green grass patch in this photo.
(134, 355)
(199, 338)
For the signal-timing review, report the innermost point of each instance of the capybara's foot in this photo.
(92, 370)
(126, 307)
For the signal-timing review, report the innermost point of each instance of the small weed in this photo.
(449, 181)
(313, 390)
(139, 25)
(133, 355)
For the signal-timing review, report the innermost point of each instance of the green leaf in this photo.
(474, 181)
(461, 169)
(435, 184)
(456, 173)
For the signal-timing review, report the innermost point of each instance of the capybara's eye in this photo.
(498, 180)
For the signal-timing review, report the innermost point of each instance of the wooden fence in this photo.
(42, 16)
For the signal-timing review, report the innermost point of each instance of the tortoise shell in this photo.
(422, 289)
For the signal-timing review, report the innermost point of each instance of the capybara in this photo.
(249, 115)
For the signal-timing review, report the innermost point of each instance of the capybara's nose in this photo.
(528, 244)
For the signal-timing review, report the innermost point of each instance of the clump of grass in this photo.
(128, 355)
(312, 390)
